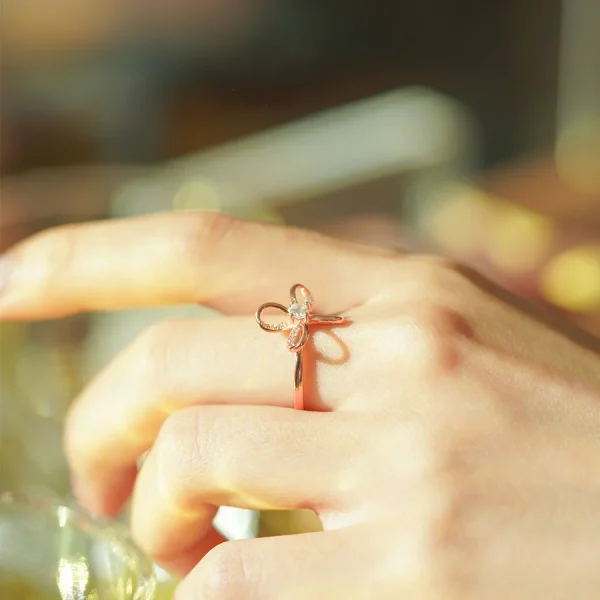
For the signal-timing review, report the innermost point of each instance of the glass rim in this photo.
(112, 531)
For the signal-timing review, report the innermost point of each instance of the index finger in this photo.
(202, 257)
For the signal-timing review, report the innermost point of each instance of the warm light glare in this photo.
(572, 279)
(519, 239)
(459, 220)
(197, 195)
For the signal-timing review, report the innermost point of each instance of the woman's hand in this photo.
(452, 442)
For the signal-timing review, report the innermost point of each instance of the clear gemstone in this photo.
(298, 311)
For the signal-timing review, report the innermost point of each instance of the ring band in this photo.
(300, 317)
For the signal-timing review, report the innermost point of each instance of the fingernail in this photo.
(6, 265)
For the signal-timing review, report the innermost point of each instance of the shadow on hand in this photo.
(334, 352)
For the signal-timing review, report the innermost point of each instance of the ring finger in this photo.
(173, 365)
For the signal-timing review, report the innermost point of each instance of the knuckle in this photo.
(453, 554)
(203, 233)
(180, 456)
(456, 535)
(453, 453)
(152, 352)
(440, 321)
(433, 335)
(448, 564)
(223, 573)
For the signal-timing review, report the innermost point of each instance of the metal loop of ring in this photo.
(300, 317)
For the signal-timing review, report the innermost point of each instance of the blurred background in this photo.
(466, 128)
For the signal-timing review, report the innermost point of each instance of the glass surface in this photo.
(53, 552)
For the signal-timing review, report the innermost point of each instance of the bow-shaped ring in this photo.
(300, 315)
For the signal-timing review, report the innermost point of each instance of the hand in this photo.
(451, 446)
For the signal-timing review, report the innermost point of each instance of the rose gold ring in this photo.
(301, 317)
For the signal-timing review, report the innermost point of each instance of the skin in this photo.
(450, 447)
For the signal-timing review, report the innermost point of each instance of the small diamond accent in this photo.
(298, 311)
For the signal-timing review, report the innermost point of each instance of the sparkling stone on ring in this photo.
(298, 311)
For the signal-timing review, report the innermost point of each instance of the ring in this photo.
(301, 317)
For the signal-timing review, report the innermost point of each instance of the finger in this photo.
(180, 564)
(210, 258)
(253, 457)
(348, 563)
(289, 567)
(173, 365)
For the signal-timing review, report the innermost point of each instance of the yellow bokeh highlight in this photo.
(204, 195)
(519, 239)
(197, 195)
(459, 219)
(572, 279)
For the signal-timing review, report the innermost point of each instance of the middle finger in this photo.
(246, 456)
